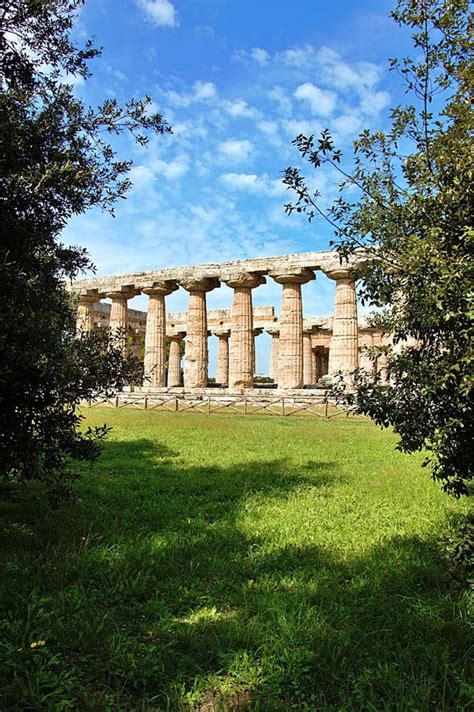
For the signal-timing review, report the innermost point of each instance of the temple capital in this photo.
(199, 284)
(300, 275)
(88, 297)
(342, 273)
(161, 288)
(247, 280)
(273, 331)
(220, 331)
(124, 293)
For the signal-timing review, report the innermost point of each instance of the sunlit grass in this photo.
(231, 562)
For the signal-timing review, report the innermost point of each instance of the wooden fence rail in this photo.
(286, 407)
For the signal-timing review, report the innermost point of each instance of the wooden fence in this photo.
(282, 406)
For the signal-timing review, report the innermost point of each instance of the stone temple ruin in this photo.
(304, 351)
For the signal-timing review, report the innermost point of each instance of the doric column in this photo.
(290, 350)
(256, 332)
(382, 359)
(308, 377)
(118, 320)
(242, 346)
(325, 361)
(85, 312)
(316, 365)
(366, 340)
(174, 360)
(196, 351)
(155, 333)
(274, 333)
(382, 368)
(222, 371)
(343, 354)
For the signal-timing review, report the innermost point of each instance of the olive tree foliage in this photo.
(56, 162)
(405, 198)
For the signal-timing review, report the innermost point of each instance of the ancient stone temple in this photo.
(305, 350)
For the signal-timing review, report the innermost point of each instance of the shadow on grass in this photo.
(151, 595)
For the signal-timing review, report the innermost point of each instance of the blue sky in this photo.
(238, 80)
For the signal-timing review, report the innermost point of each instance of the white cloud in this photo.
(322, 102)
(160, 12)
(201, 91)
(280, 96)
(174, 169)
(298, 56)
(373, 102)
(204, 91)
(256, 55)
(236, 149)
(252, 183)
(329, 69)
(259, 55)
(239, 107)
(342, 75)
(72, 80)
(294, 127)
(246, 181)
(346, 125)
(271, 131)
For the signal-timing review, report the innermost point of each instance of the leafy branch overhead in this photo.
(58, 160)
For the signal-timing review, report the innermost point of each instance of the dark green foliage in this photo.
(413, 214)
(461, 551)
(56, 162)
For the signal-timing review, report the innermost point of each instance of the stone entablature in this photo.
(303, 349)
(274, 266)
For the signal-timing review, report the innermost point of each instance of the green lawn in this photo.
(231, 562)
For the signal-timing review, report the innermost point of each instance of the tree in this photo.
(57, 161)
(412, 215)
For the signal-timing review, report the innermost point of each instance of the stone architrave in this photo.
(196, 350)
(308, 376)
(174, 360)
(222, 371)
(275, 334)
(155, 333)
(85, 312)
(242, 346)
(343, 353)
(290, 350)
(118, 319)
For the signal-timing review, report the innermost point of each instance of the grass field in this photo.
(231, 562)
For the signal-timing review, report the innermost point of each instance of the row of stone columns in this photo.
(292, 362)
